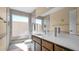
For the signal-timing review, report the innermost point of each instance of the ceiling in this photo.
(31, 9)
(52, 10)
(24, 9)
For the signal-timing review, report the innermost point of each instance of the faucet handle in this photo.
(58, 29)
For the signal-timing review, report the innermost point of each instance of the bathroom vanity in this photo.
(63, 42)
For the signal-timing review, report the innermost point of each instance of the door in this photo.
(72, 20)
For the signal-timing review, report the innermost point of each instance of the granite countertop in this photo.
(63, 39)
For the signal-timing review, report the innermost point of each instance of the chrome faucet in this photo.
(57, 31)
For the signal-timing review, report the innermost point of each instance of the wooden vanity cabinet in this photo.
(47, 45)
(38, 47)
(38, 40)
(44, 45)
(58, 48)
(44, 49)
(61, 48)
(37, 43)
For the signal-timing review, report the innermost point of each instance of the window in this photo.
(39, 21)
(17, 18)
(19, 25)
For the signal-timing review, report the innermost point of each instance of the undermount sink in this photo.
(40, 34)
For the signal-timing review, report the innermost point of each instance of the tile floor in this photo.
(21, 47)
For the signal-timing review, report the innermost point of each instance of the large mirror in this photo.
(72, 20)
(46, 24)
(41, 25)
(37, 25)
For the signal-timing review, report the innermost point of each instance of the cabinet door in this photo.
(47, 45)
(36, 39)
(38, 47)
(58, 48)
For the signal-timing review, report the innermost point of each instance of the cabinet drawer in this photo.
(58, 48)
(37, 40)
(48, 45)
(44, 49)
